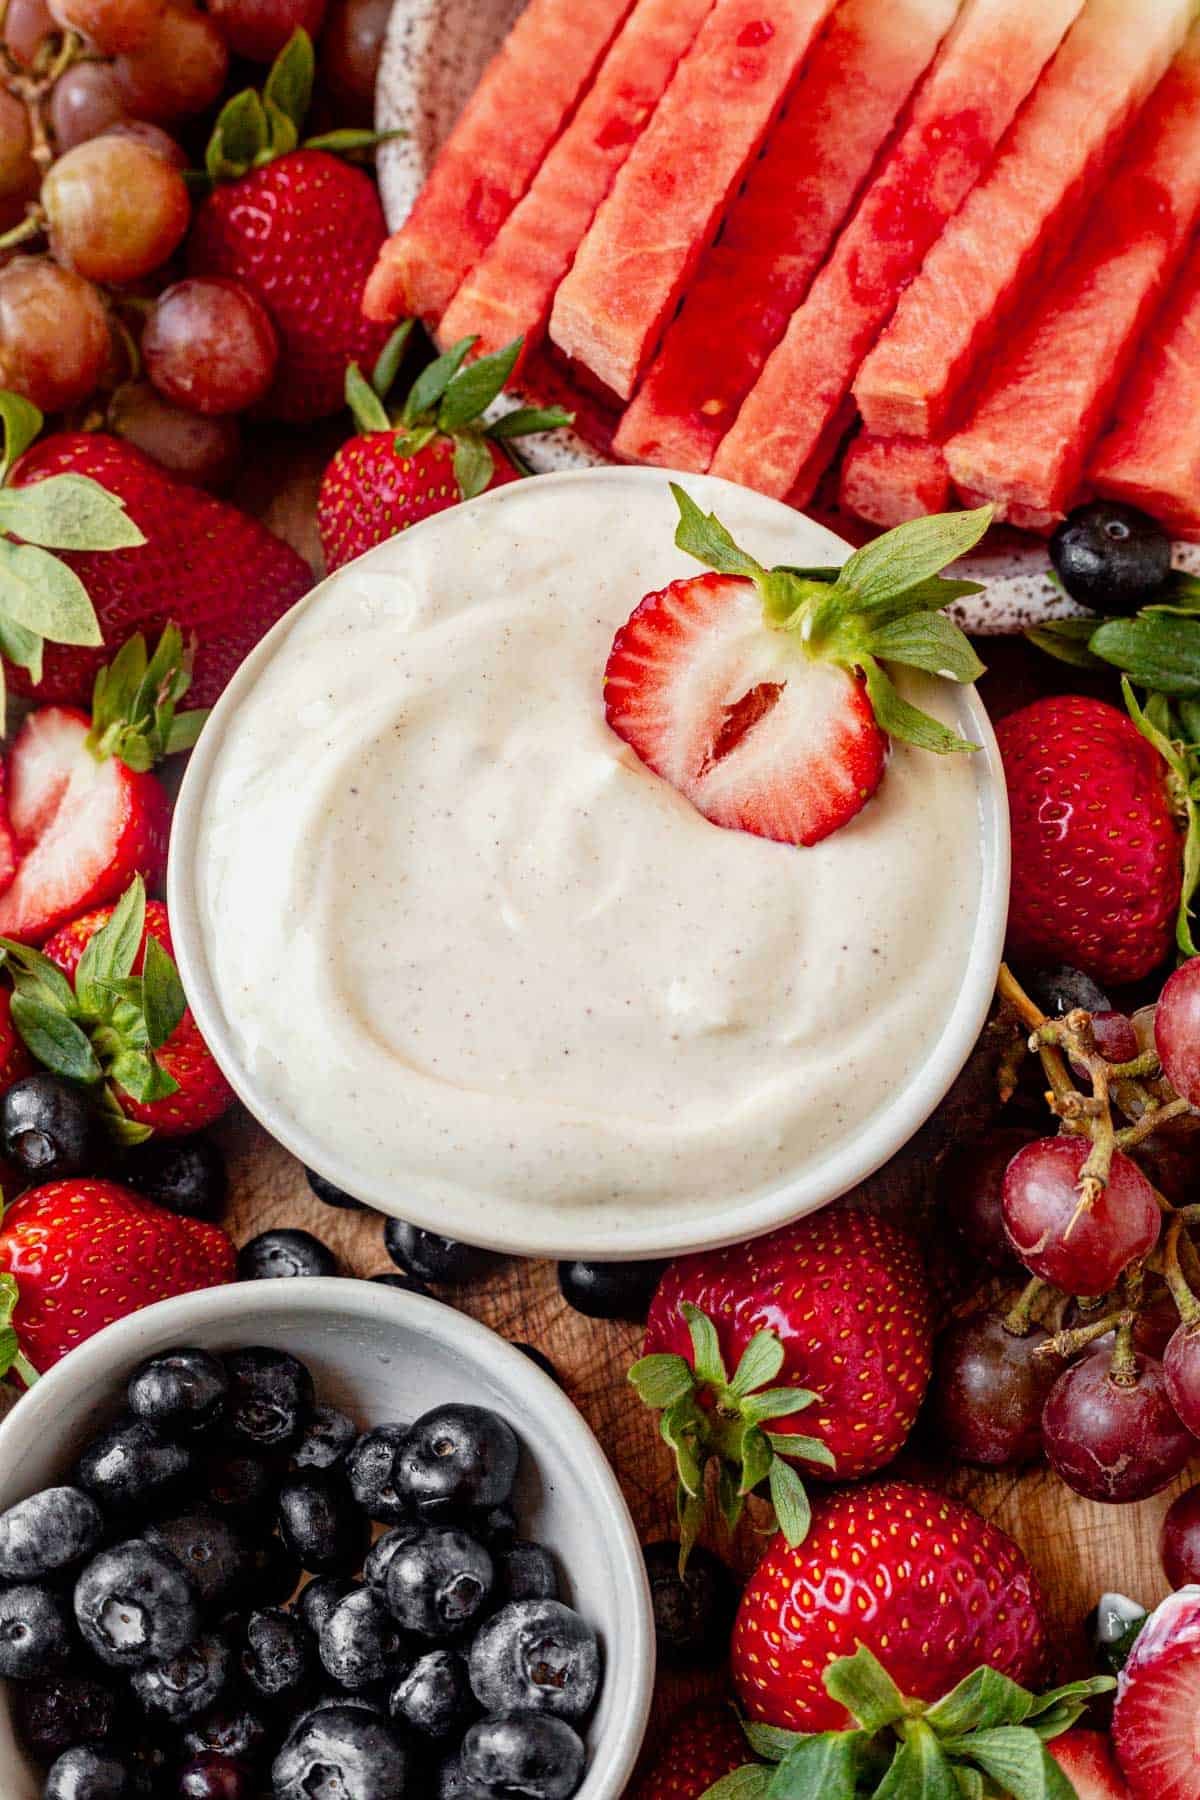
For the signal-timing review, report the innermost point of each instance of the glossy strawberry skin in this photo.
(369, 493)
(1097, 850)
(701, 1746)
(216, 572)
(302, 233)
(15, 1060)
(920, 1578)
(845, 1294)
(88, 1252)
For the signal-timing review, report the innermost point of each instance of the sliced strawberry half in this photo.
(1156, 1723)
(8, 841)
(1087, 1760)
(760, 694)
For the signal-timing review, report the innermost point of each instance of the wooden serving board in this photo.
(1078, 1549)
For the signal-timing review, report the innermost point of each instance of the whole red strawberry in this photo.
(919, 1578)
(220, 575)
(433, 453)
(15, 1060)
(84, 1253)
(1097, 849)
(705, 1743)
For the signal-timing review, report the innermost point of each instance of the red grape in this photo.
(113, 26)
(116, 211)
(1180, 1542)
(1181, 1365)
(210, 345)
(1116, 1040)
(970, 1187)
(350, 50)
(205, 452)
(19, 176)
(180, 71)
(1177, 1030)
(1082, 1254)
(140, 131)
(989, 1387)
(1152, 1332)
(260, 28)
(54, 337)
(1111, 1440)
(27, 24)
(85, 102)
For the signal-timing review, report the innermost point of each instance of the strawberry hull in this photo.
(500, 141)
(780, 228)
(889, 480)
(510, 292)
(986, 67)
(1025, 447)
(1054, 157)
(1151, 455)
(673, 190)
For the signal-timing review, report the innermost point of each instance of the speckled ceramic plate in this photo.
(435, 52)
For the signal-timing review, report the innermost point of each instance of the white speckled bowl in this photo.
(382, 1354)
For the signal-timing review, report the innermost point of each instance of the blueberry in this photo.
(130, 1468)
(180, 1393)
(46, 1127)
(359, 1641)
(693, 1613)
(530, 1754)
(450, 1783)
(371, 1700)
(1061, 989)
(183, 1175)
(434, 1697)
(319, 1597)
(326, 1439)
(435, 1258)
(407, 1284)
(135, 1605)
(610, 1290)
(1111, 557)
(234, 1728)
(334, 1196)
(457, 1457)
(370, 1467)
(380, 1555)
(188, 1684)
(536, 1656)
(279, 1255)
(91, 1772)
(241, 1483)
(215, 1554)
(277, 1660)
(48, 1533)
(270, 1396)
(439, 1582)
(51, 1716)
(321, 1525)
(211, 1777)
(540, 1358)
(36, 1634)
(526, 1571)
(341, 1750)
(274, 1574)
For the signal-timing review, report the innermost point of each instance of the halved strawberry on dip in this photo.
(761, 694)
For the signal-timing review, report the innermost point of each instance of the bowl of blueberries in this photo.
(342, 1543)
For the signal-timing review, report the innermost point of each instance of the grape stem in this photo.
(1019, 1319)
(1186, 1302)
(1066, 1344)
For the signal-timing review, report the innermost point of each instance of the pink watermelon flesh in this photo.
(985, 69)
(526, 95)
(1151, 455)
(509, 294)
(1050, 393)
(780, 227)
(674, 189)
(889, 480)
(1052, 160)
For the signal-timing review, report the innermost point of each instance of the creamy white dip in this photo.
(505, 976)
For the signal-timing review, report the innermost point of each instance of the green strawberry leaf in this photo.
(804, 1449)
(793, 1513)
(900, 720)
(1154, 650)
(281, 133)
(761, 1361)
(703, 536)
(12, 1358)
(368, 409)
(758, 1454)
(289, 84)
(20, 421)
(240, 136)
(472, 390)
(473, 465)
(707, 1360)
(771, 1742)
(55, 1039)
(829, 1763)
(929, 641)
(660, 1380)
(142, 1078)
(776, 1403)
(411, 443)
(427, 390)
(863, 1686)
(910, 554)
(45, 596)
(730, 1497)
(352, 142)
(38, 978)
(134, 701)
(678, 1429)
(920, 1770)
(984, 1698)
(748, 1783)
(525, 421)
(1068, 640)
(387, 366)
(1179, 764)
(1072, 1693)
(111, 952)
(68, 512)
(164, 1001)
(1018, 1761)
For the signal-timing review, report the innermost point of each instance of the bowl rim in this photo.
(843, 1169)
(122, 1345)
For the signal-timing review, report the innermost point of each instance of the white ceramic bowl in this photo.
(660, 1232)
(382, 1354)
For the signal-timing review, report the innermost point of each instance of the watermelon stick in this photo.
(518, 110)
(986, 68)
(840, 113)
(1151, 456)
(889, 480)
(509, 294)
(1054, 158)
(673, 191)
(1053, 388)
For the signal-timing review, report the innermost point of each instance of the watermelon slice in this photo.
(672, 192)
(985, 69)
(779, 230)
(510, 293)
(1151, 456)
(1055, 155)
(889, 480)
(1049, 394)
(518, 110)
